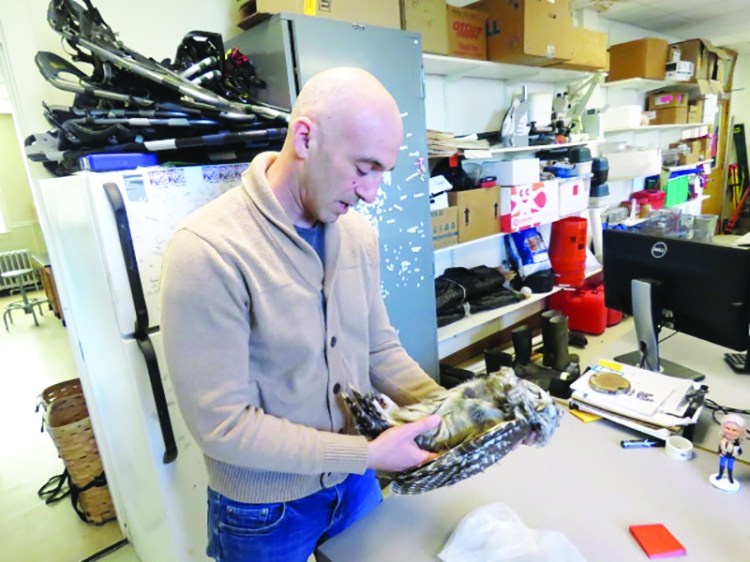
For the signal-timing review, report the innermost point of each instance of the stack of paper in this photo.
(441, 144)
(655, 404)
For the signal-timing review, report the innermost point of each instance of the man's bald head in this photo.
(344, 92)
(345, 131)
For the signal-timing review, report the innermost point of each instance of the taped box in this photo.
(444, 227)
(522, 206)
(477, 211)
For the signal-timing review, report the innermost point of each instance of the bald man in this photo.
(271, 305)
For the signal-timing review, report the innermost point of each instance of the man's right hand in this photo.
(394, 450)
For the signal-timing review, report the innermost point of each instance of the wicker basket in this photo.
(60, 390)
(69, 425)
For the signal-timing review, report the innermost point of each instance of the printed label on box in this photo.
(527, 205)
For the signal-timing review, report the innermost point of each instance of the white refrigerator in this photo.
(155, 470)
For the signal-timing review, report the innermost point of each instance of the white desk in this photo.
(584, 485)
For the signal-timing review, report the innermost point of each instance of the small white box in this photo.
(621, 117)
(634, 163)
(683, 66)
(677, 76)
(574, 195)
(522, 206)
(513, 172)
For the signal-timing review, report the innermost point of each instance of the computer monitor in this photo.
(696, 288)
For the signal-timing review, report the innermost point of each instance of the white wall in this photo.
(152, 28)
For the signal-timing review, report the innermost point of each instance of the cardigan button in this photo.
(333, 341)
(336, 388)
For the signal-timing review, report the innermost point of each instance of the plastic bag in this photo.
(494, 533)
(529, 252)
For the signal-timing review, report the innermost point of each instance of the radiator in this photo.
(17, 259)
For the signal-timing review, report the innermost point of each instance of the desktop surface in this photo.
(585, 485)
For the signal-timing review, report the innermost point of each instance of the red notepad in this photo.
(656, 541)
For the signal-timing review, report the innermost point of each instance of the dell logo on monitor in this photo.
(659, 250)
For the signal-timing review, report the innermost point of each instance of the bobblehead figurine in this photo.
(732, 431)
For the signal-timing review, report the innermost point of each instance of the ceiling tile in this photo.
(666, 24)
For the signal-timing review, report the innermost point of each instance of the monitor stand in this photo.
(646, 332)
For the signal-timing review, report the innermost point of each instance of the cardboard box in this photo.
(671, 116)
(689, 158)
(445, 29)
(478, 211)
(701, 147)
(384, 13)
(644, 58)
(522, 206)
(664, 100)
(444, 227)
(709, 62)
(589, 50)
(574, 195)
(695, 112)
(532, 32)
(513, 172)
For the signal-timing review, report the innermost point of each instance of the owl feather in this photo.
(482, 420)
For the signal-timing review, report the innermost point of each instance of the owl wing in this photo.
(467, 459)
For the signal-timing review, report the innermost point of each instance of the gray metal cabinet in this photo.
(287, 50)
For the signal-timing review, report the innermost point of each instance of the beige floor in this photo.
(31, 359)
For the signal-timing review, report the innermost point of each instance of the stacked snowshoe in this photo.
(199, 108)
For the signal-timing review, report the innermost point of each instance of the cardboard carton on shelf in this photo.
(670, 116)
(667, 99)
(445, 29)
(644, 58)
(709, 63)
(522, 206)
(444, 227)
(478, 212)
(384, 13)
(686, 158)
(532, 32)
(589, 51)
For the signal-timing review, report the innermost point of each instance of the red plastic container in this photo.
(567, 251)
(655, 199)
(614, 317)
(585, 309)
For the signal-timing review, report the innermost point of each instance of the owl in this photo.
(483, 419)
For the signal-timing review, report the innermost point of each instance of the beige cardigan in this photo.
(255, 364)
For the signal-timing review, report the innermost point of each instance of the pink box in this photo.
(531, 204)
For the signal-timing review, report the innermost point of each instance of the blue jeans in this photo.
(286, 531)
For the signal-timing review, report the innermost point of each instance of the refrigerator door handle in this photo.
(141, 320)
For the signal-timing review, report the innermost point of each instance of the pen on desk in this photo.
(640, 443)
